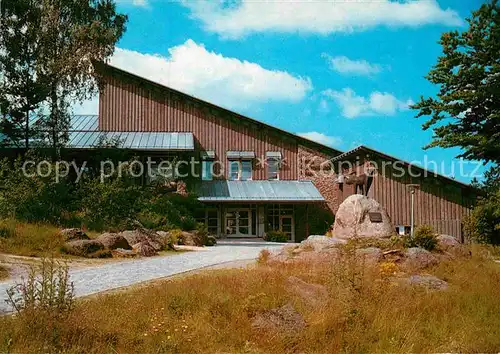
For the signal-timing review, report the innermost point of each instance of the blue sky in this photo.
(342, 73)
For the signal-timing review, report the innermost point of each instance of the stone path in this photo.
(114, 275)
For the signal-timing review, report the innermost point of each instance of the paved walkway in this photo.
(114, 275)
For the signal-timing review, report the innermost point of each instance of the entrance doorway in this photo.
(238, 222)
(286, 226)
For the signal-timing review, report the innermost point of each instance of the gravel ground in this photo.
(114, 275)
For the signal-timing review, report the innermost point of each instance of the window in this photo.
(246, 170)
(273, 169)
(234, 170)
(240, 170)
(207, 170)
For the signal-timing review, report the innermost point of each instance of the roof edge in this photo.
(99, 65)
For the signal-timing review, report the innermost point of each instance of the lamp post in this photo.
(412, 188)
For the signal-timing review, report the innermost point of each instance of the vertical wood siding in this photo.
(128, 106)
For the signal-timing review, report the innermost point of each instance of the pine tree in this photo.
(466, 111)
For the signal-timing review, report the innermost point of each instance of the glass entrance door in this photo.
(238, 223)
(286, 225)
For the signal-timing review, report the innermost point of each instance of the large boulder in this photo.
(318, 243)
(145, 249)
(419, 258)
(83, 248)
(113, 241)
(191, 238)
(353, 219)
(134, 236)
(74, 234)
(141, 235)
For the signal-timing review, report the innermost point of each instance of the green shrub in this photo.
(276, 236)
(483, 223)
(424, 237)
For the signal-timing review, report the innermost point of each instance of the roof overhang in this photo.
(259, 191)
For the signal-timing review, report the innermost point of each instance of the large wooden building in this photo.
(265, 178)
(254, 177)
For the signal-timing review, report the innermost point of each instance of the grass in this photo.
(32, 239)
(27, 239)
(212, 311)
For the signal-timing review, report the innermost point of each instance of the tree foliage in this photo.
(47, 48)
(466, 111)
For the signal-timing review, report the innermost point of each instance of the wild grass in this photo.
(29, 239)
(211, 312)
(4, 273)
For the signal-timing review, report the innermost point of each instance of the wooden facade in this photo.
(131, 103)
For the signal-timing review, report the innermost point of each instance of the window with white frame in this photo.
(273, 161)
(240, 170)
(273, 169)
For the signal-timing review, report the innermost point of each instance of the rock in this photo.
(82, 248)
(370, 254)
(166, 239)
(317, 243)
(74, 234)
(283, 320)
(113, 241)
(312, 294)
(446, 241)
(418, 258)
(143, 235)
(122, 253)
(145, 249)
(134, 236)
(452, 247)
(428, 281)
(352, 219)
(191, 238)
(211, 241)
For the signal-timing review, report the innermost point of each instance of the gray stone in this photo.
(113, 241)
(318, 243)
(419, 258)
(284, 320)
(82, 248)
(145, 249)
(74, 234)
(428, 281)
(352, 219)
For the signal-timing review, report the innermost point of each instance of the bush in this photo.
(483, 223)
(276, 236)
(424, 237)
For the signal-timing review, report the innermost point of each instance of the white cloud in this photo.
(322, 138)
(320, 16)
(225, 81)
(346, 66)
(139, 3)
(378, 103)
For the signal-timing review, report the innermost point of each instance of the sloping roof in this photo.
(106, 68)
(84, 134)
(258, 191)
(362, 148)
